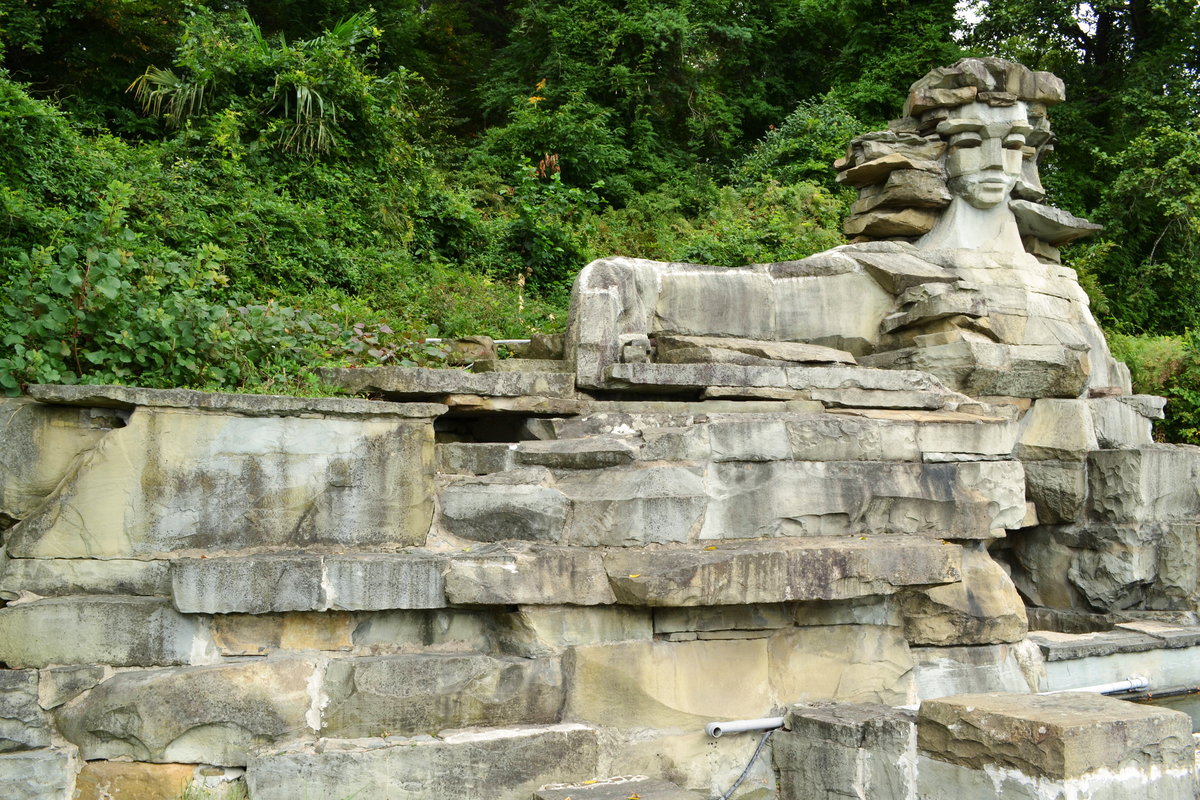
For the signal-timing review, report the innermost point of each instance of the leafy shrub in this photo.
(1168, 366)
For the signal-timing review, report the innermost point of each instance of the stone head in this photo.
(985, 151)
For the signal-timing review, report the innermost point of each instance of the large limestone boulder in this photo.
(207, 715)
(175, 481)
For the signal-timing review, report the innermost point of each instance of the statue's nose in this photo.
(992, 154)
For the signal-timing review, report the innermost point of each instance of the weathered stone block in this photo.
(1056, 736)
(58, 685)
(423, 694)
(945, 671)
(1058, 489)
(251, 584)
(850, 663)
(678, 377)
(202, 482)
(1062, 430)
(1178, 583)
(540, 630)
(982, 608)
(846, 437)
(630, 507)
(329, 630)
(38, 774)
(988, 368)
(246, 634)
(592, 453)
(746, 310)
(750, 437)
(778, 571)
(504, 764)
(119, 780)
(529, 575)
(1156, 482)
(668, 684)
(1119, 424)
(495, 508)
(817, 307)
(617, 789)
(119, 631)
(471, 458)
(960, 501)
(39, 445)
(832, 749)
(795, 352)
(207, 715)
(377, 581)
(23, 725)
(56, 577)
(724, 618)
(405, 383)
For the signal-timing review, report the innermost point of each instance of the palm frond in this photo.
(156, 87)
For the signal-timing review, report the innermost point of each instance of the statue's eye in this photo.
(965, 139)
(1014, 141)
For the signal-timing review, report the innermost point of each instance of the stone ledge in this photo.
(1057, 736)
(1071, 646)
(397, 382)
(251, 405)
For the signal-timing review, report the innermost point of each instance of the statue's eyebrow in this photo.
(961, 125)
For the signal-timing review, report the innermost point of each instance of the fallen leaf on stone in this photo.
(636, 576)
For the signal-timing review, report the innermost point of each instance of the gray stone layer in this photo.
(38, 774)
(418, 382)
(55, 577)
(23, 724)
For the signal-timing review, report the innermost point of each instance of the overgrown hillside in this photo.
(222, 195)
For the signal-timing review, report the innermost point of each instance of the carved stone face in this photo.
(985, 151)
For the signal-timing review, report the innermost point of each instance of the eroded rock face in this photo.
(207, 715)
(982, 608)
(174, 481)
(23, 725)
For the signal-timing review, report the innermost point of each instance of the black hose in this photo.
(746, 771)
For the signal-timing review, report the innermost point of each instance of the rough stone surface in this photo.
(250, 405)
(982, 608)
(1118, 424)
(39, 444)
(774, 351)
(850, 663)
(1057, 736)
(1058, 429)
(408, 695)
(207, 715)
(56, 577)
(119, 631)
(779, 571)
(755, 617)
(38, 775)
(504, 764)
(194, 481)
(58, 685)
(485, 510)
(23, 725)
(961, 501)
(653, 505)
(1156, 482)
(541, 630)
(1058, 489)
(832, 749)
(471, 458)
(1052, 225)
(418, 382)
(529, 575)
(378, 581)
(118, 780)
(946, 671)
(591, 453)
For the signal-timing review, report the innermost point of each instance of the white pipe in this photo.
(715, 729)
(1133, 684)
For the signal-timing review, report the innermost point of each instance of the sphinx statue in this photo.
(952, 269)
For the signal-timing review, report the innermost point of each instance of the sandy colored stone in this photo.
(38, 445)
(883, 222)
(316, 631)
(1058, 429)
(982, 608)
(194, 481)
(207, 715)
(880, 168)
(668, 684)
(58, 685)
(246, 634)
(119, 780)
(691, 759)
(539, 630)
(851, 663)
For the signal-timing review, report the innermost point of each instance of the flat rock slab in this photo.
(499, 764)
(616, 789)
(58, 577)
(263, 584)
(413, 382)
(534, 575)
(776, 351)
(119, 631)
(585, 453)
(206, 715)
(1051, 225)
(774, 571)
(250, 405)
(23, 725)
(38, 774)
(1056, 736)
(1070, 646)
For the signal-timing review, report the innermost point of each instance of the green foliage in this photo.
(1168, 366)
